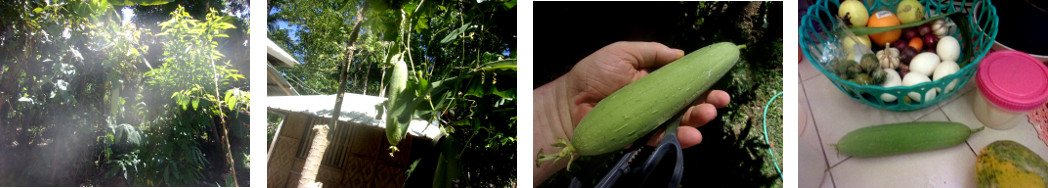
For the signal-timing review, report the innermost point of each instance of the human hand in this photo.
(561, 104)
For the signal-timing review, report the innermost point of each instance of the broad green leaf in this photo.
(37, 10)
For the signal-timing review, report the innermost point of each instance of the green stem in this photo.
(874, 30)
(977, 130)
(568, 151)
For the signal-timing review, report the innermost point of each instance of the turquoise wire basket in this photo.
(982, 23)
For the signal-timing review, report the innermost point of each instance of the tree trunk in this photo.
(367, 73)
(320, 142)
(224, 128)
(316, 155)
(345, 68)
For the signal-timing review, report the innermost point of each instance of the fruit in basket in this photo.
(888, 57)
(944, 69)
(853, 13)
(906, 54)
(910, 11)
(916, 43)
(930, 41)
(878, 76)
(850, 43)
(901, 43)
(840, 67)
(939, 27)
(909, 33)
(865, 40)
(924, 29)
(904, 69)
(898, 138)
(863, 79)
(1005, 163)
(853, 69)
(869, 63)
(913, 78)
(884, 19)
(948, 48)
(891, 79)
(924, 63)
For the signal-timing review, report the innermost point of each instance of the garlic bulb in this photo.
(888, 58)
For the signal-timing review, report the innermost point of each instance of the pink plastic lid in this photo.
(1013, 80)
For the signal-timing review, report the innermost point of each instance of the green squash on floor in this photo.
(1005, 163)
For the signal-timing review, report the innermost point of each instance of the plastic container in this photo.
(1011, 83)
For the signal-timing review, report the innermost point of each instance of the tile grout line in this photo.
(966, 142)
(815, 124)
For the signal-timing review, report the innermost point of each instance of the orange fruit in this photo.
(916, 43)
(884, 19)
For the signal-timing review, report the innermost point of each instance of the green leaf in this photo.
(138, 2)
(37, 10)
(196, 102)
(455, 33)
(511, 4)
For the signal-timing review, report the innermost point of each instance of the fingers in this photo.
(645, 55)
(706, 110)
(718, 98)
(699, 115)
(687, 136)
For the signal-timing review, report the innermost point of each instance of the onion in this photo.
(900, 44)
(930, 40)
(909, 33)
(907, 53)
(924, 29)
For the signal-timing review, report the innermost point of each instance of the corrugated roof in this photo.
(277, 56)
(356, 108)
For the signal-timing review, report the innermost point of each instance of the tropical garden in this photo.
(124, 93)
(452, 63)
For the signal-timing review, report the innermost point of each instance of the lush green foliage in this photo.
(84, 102)
(461, 71)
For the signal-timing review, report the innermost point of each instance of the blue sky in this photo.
(292, 30)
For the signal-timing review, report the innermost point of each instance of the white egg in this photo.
(945, 69)
(891, 79)
(948, 48)
(924, 63)
(914, 78)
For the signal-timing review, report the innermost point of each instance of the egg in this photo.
(945, 69)
(948, 48)
(924, 63)
(891, 79)
(914, 78)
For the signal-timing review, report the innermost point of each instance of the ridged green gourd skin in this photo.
(891, 139)
(638, 108)
(399, 115)
(1005, 163)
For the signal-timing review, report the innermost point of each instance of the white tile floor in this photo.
(829, 114)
